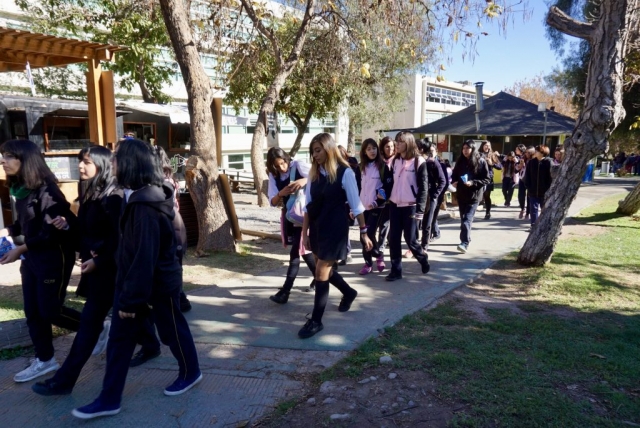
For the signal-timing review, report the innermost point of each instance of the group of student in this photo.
(395, 191)
(127, 233)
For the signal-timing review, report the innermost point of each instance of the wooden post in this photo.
(94, 102)
(108, 107)
(216, 112)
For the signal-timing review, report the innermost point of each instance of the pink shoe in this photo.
(380, 264)
(408, 254)
(365, 270)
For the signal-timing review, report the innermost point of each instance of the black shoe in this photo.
(312, 287)
(487, 216)
(51, 387)
(393, 276)
(142, 357)
(185, 304)
(281, 297)
(345, 303)
(434, 238)
(309, 329)
(426, 267)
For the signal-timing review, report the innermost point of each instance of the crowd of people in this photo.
(127, 233)
(130, 239)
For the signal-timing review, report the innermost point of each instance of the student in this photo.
(437, 182)
(388, 152)
(326, 225)
(47, 253)
(493, 161)
(510, 178)
(148, 279)
(538, 180)
(372, 196)
(407, 203)
(96, 239)
(446, 171)
(469, 176)
(281, 186)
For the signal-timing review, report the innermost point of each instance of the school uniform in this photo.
(383, 221)
(291, 234)
(46, 266)
(329, 230)
(436, 183)
(407, 204)
(435, 229)
(469, 196)
(96, 230)
(370, 185)
(148, 282)
(538, 180)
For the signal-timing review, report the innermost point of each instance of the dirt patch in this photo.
(572, 229)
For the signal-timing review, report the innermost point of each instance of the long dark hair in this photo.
(408, 138)
(33, 172)
(474, 157)
(138, 165)
(364, 159)
(104, 182)
(383, 143)
(273, 154)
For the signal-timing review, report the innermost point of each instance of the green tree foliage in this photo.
(133, 23)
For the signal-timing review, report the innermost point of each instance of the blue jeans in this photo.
(467, 211)
(535, 204)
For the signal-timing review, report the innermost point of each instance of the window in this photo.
(236, 161)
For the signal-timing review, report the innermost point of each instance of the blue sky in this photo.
(503, 60)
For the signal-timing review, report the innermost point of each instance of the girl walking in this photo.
(286, 177)
(493, 161)
(326, 225)
(407, 203)
(47, 253)
(469, 176)
(510, 178)
(388, 152)
(373, 197)
(96, 238)
(148, 279)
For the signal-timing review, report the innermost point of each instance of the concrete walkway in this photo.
(248, 346)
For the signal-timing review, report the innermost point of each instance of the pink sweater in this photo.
(370, 183)
(405, 184)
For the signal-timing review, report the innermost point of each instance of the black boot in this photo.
(348, 293)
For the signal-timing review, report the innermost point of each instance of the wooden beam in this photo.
(35, 60)
(94, 106)
(27, 43)
(108, 107)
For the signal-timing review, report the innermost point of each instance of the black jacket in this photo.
(470, 194)
(146, 256)
(35, 212)
(437, 179)
(537, 177)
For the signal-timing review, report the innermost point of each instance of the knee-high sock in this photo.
(338, 281)
(320, 301)
(311, 263)
(292, 272)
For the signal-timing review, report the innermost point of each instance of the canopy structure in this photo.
(17, 48)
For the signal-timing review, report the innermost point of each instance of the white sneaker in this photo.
(103, 339)
(36, 369)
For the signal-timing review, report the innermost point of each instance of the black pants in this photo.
(467, 211)
(522, 196)
(371, 218)
(427, 221)
(507, 189)
(487, 198)
(100, 288)
(403, 222)
(435, 227)
(173, 330)
(383, 228)
(44, 288)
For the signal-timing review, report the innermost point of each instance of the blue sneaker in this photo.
(179, 385)
(96, 410)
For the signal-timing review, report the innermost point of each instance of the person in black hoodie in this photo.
(537, 178)
(96, 239)
(148, 279)
(469, 176)
(47, 253)
(437, 183)
(493, 162)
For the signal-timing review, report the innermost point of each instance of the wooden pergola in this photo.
(18, 47)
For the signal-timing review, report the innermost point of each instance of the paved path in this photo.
(248, 347)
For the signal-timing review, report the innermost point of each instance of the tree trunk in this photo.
(351, 140)
(285, 67)
(602, 112)
(202, 168)
(301, 126)
(631, 204)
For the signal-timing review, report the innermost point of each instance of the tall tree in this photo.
(608, 35)
(133, 23)
(202, 167)
(538, 89)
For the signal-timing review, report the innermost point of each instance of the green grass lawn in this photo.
(569, 356)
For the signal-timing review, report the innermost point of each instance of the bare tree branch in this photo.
(562, 22)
